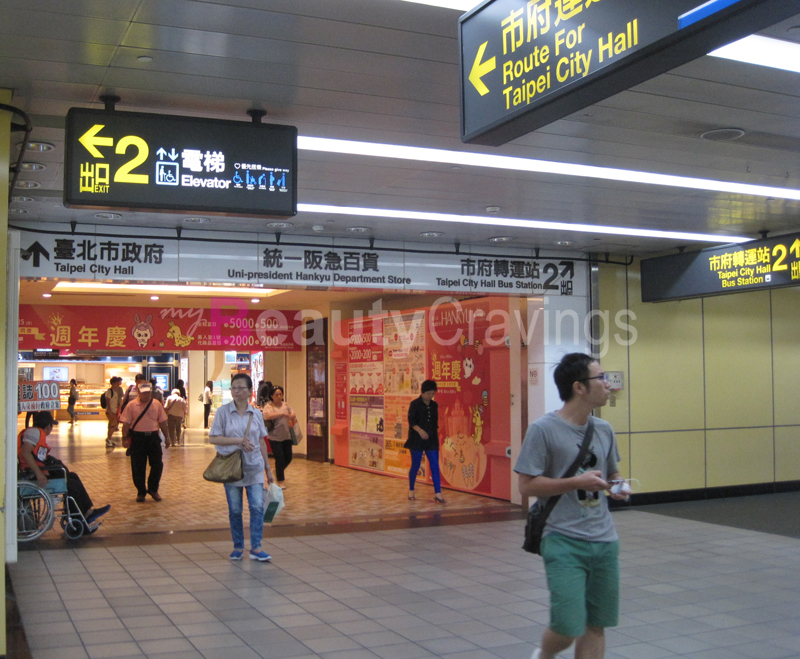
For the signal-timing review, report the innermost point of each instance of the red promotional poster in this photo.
(470, 364)
(228, 325)
(365, 354)
(340, 390)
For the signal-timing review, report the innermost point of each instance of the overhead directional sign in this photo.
(527, 63)
(131, 160)
(768, 263)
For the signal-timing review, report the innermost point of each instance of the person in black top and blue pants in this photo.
(423, 437)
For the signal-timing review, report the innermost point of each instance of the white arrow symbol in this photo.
(161, 153)
(173, 155)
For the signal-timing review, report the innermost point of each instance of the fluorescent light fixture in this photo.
(539, 166)
(764, 51)
(218, 291)
(461, 5)
(519, 224)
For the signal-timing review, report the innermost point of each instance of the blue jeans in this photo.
(433, 463)
(255, 501)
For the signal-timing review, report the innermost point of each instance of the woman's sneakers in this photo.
(259, 555)
(255, 555)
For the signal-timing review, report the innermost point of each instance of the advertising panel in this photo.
(226, 325)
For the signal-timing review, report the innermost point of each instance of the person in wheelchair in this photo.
(34, 454)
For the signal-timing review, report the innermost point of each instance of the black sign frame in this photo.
(679, 47)
(735, 268)
(265, 149)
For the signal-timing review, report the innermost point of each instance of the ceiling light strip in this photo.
(377, 150)
(763, 51)
(516, 223)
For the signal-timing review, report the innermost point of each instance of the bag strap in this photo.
(144, 411)
(249, 422)
(569, 473)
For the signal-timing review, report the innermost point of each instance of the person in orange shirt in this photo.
(141, 420)
(33, 453)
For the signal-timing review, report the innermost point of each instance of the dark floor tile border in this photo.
(287, 531)
(700, 494)
(16, 641)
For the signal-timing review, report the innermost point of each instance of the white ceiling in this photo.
(387, 71)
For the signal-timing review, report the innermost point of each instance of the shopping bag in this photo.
(273, 502)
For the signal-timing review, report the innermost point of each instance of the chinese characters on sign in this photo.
(276, 265)
(767, 263)
(226, 325)
(135, 160)
(33, 396)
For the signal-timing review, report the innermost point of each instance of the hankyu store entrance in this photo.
(351, 356)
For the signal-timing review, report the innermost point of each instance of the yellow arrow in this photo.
(90, 140)
(481, 69)
(796, 248)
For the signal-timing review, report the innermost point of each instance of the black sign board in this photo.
(132, 160)
(757, 264)
(527, 63)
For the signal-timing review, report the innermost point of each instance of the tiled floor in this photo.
(690, 589)
(316, 493)
(458, 591)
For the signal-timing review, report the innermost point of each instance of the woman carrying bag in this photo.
(279, 418)
(238, 426)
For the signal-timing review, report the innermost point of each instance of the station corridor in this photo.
(358, 572)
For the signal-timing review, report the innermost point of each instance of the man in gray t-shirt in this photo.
(579, 548)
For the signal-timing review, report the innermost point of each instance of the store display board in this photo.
(462, 347)
(754, 265)
(33, 396)
(527, 63)
(227, 324)
(133, 160)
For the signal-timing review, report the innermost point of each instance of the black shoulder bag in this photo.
(538, 514)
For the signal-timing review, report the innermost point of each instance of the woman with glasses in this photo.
(280, 417)
(238, 426)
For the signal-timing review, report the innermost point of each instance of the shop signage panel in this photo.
(230, 323)
(128, 160)
(37, 395)
(759, 264)
(256, 260)
(527, 63)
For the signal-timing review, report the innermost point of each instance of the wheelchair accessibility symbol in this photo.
(167, 173)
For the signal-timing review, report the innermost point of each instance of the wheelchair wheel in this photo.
(73, 529)
(35, 514)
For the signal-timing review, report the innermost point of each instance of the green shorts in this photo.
(583, 579)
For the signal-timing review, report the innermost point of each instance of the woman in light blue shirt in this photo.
(239, 426)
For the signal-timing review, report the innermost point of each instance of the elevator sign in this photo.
(130, 160)
(527, 63)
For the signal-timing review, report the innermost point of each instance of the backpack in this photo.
(103, 400)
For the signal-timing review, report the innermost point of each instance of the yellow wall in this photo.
(5, 144)
(711, 386)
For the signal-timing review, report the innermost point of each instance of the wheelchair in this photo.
(39, 507)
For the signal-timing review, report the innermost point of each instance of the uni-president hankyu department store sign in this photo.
(257, 259)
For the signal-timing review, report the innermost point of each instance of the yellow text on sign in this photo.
(91, 141)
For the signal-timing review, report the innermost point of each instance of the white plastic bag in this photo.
(273, 502)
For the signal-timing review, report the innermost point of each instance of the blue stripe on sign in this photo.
(703, 11)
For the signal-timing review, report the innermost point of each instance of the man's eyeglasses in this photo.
(602, 377)
(240, 388)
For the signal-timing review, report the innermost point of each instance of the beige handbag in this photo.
(227, 468)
